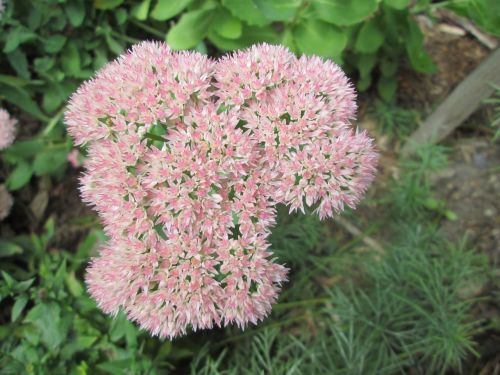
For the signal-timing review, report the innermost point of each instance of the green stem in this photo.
(125, 38)
(53, 122)
(149, 29)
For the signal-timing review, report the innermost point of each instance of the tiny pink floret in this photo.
(187, 159)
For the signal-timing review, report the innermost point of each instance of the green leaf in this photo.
(386, 87)
(246, 10)
(278, 10)
(47, 318)
(8, 248)
(288, 40)
(52, 98)
(78, 344)
(414, 43)
(364, 83)
(74, 286)
(107, 4)
(49, 161)
(26, 149)
(365, 64)
(114, 45)
(140, 11)
(75, 10)
(166, 9)
(54, 43)
(16, 37)
(70, 60)
(315, 37)
(18, 306)
(116, 367)
(19, 62)
(227, 26)
(344, 12)
(370, 37)
(191, 29)
(20, 97)
(20, 176)
(15, 81)
(397, 4)
(250, 35)
(121, 16)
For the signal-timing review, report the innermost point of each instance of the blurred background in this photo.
(406, 284)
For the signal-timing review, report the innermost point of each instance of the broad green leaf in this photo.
(118, 327)
(485, 13)
(107, 4)
(418, 56)
(20, 97)
(278, 10)
(18, 306)
(191, 29)
(344, 12)
(120, 16)
(117, 367)
(9, 248)
(19, 62)
(114, 45)
(25, 149)
(78, 344)
(54, 43)
(315, 37)
(288, 41)
(370, 37)
(141, 10)
(70, 60)
(166, 9)
(227, 26)
(52, 98)
(365, 64)
(74, 286)
(49, 161)
(364, 83)
(47, 318)
(44, 64)
(15, 81)
(397, 4)
(75, 10)
(20, 176)
(247, 11)
(386, 88)
(250, 35)
(16, 37)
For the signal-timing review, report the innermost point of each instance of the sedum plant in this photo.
(187, 159)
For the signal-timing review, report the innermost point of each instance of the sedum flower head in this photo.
(7, 129)
(187, 159)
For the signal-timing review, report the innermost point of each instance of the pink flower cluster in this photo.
(187, 158)
(7, 129)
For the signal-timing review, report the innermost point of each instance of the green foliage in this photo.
(43, 154)
(485, 13)
(395, 121)
(495, 102)
(50, 326)
(409, 312)
(411, 195)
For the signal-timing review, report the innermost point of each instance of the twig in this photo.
(471, 28)
(351, 228)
